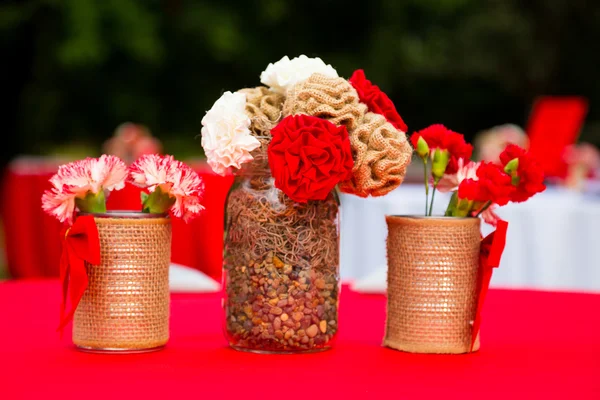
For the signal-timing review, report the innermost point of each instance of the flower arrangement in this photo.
(104, 251)
(439, 269)
(477, 188)
(84, 186)
(292, 144)
(310, 98)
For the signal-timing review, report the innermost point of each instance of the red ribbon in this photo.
(490, 254)
(80, 244)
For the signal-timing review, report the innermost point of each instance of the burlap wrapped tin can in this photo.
(433, 265)
(126, 305)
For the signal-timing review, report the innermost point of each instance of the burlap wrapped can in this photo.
(126, 305)
(433, 267)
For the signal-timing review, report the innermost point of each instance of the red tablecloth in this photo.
(535, 345)
(32, 239)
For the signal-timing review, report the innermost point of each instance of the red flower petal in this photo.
(308, 156)
(438, 136)
(531, 175)
(377, 101)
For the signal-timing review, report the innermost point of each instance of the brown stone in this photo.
(323, 326)
(277, 262)
(312, 331)
(320, 283)
(276, 311)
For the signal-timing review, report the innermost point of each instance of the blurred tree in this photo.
(78, 68)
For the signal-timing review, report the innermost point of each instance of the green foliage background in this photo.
(75, 69)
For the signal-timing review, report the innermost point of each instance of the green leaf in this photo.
(92, 203)
(157, 202)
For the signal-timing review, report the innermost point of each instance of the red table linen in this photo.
(534, 345)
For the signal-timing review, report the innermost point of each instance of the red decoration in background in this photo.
(308, 156)
(80, 244)
(530, 173)
(554, 124)
(438, 136)
(490, 254)
(377, 101)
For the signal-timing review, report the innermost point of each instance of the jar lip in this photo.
(124, 214)
(430, 217)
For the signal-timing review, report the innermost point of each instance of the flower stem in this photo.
(483, 208)
(432, 197)
(426, 184)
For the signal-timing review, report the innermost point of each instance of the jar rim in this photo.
(444, 217)
(124, 214)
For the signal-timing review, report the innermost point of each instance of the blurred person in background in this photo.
(131, 141)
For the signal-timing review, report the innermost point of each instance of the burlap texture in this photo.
(333, 99)
(264, 108)
(432, 283)
(126, 305)
(381, 155)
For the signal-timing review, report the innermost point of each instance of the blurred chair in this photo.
(555, 124)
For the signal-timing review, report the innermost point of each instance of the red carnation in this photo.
(438, 136)
(308, 156)
(492, 184)
(529, 175)
(377, 101)
(469, 189)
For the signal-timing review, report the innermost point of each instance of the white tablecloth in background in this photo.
(553, 239)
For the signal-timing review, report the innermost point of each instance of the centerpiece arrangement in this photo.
(114, 265)
(439, 268)
(292, 144)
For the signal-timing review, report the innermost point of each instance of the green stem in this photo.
(452, 205)
(483, 208)
(432, 197)
(426, 184)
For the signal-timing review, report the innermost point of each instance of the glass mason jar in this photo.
(281, 267)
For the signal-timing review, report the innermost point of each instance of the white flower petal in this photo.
(226, 136)
(285, 73)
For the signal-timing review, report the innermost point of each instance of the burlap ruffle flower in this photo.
(381, 155)
(333, 99)
(264, 107)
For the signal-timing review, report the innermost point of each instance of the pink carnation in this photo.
(489, 216)
(77, 179)
(174, 178)
(59, 204)
(450, 182)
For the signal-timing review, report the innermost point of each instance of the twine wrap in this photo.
(432, 283)
(333, 99)
(381, 155)
(126, 305)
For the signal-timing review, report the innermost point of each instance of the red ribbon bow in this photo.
(490, 254)
(80, 244)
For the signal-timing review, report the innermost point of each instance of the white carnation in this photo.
(285, 73)
(226, 136)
